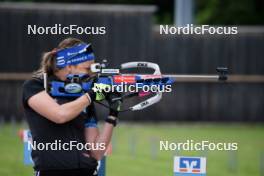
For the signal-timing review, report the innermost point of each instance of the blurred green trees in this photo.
(235, 12)
(218, 12)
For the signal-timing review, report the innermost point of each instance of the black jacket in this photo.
(46, 131)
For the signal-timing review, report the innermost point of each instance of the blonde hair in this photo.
(48, 60)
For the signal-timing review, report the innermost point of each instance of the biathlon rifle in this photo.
(77, 85)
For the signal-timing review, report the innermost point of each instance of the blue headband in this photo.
(74, 55)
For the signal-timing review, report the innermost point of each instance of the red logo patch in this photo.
(124, 79)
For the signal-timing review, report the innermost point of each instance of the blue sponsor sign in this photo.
(187, 166)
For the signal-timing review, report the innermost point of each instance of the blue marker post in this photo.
(153, 147)
(27, 138)
(132, 142)
(232, 161)
(102, 168)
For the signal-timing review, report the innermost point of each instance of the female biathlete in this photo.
(65, 121)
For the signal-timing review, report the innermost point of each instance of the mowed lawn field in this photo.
(136, 149)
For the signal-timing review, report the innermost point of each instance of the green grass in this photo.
(136, 149)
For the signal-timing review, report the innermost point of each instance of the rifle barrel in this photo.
(194, 78)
